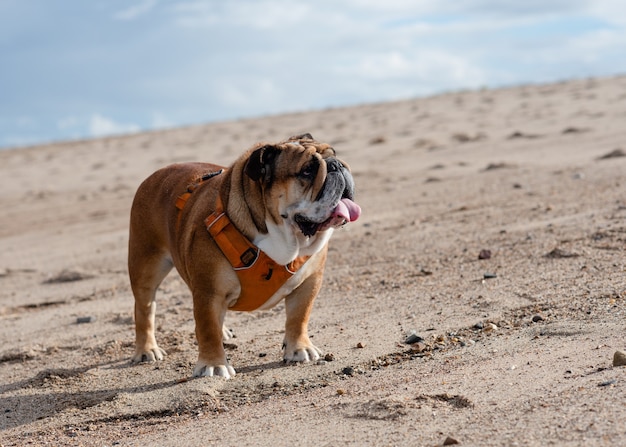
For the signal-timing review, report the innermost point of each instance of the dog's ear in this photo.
(259, 165)
(304, 136)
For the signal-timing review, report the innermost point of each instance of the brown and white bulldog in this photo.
(242, 238)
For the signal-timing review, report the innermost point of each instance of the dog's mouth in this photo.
(345, 211)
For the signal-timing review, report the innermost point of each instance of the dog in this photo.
(242, 238)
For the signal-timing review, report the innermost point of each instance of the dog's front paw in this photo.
(300, 353)
(203, 369)
(227, 334)
(148, 355)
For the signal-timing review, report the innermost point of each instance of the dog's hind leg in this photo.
(146, 272)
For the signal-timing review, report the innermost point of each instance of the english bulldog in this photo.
(242, 238)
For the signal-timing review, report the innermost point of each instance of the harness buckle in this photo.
(248, 257)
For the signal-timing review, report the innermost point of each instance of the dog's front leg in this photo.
(298, 305)
(209, 312)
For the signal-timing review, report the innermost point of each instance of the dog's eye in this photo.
(308, 172)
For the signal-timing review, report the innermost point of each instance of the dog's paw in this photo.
(148, 355)
(227, 334)
(204, 370)
(295, 353)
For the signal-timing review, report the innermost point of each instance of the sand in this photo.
(493, 228)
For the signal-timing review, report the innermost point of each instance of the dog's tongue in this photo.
(347, 210)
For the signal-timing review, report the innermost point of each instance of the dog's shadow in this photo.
(259, 368)
(19, 410)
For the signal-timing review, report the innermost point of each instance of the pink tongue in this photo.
(347, 210)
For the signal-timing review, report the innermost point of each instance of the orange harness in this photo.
(259, 275)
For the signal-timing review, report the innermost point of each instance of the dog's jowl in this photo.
(243, 238)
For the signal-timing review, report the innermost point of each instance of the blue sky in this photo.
(80, 69)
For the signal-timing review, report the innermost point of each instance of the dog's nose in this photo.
(333, 165)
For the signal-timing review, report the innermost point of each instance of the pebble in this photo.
(484, 254)
(82, 320)
(419, 347)
(450, 441)
(537, 318)
(558, 253)
(360, 345)
(490, 327)
(619, 358)
(613, 154)
(329, 357)
(413, 338)
(489, 275)
(348, 371)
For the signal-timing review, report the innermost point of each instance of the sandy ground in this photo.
(517, 347)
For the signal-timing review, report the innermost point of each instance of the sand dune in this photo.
(493, 227)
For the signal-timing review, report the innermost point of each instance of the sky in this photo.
(72, 69)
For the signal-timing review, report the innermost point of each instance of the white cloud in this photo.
(100, 126)
(136, 10)
(67, 123)
(266, 14)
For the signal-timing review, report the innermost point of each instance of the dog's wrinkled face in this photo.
(304, 185)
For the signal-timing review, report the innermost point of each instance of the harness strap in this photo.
(239, 251)
(181, 200)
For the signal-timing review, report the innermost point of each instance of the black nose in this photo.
(333, 165)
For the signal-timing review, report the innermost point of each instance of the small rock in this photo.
(340, 392)
(450, 441)
(419, 347)
(493, 166)
(479, 326)
(329, 357)
(490, 327)
(348, 371)
(82, 320)
(619, 358)
(262, 354)
(537, 318)
(608, 383)
(321, 362)
(360, 345)
(613, 154)
(68, 276)
(518, 134)
(413, 338)
(489, 275)
(574, 130)
(484, 254)
(558, 253)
